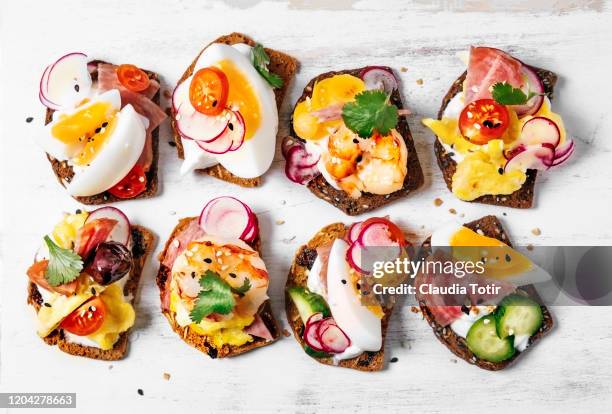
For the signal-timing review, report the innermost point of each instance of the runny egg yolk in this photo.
(90, 127)
(500, 260)
(242, 96)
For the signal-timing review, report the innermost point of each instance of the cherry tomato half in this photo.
(133, 78)
(86, 319)
(483, 120)
(208, 91)
(396, 234)
(131, 185)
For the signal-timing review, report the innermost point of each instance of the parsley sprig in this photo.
(506, 94)
(371, 111)
(261, 60)
(216, 296)
(64, 264)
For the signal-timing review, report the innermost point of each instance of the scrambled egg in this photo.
(119, 317)
(65, 232)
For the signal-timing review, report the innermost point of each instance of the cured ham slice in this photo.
(259, 329)
(488, 66)
(107, 79)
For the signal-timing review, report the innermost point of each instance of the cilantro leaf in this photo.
(371, 111)
(246, 285)
(64, 264)
(506, 94)
(214, 297)
(261, 60)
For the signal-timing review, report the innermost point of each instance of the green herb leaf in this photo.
(261, 60)
(246, 285)
(506, 94)
(64, 264)
(214, 297)
(371, 111)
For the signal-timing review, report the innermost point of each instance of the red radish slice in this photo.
(540, 130)
(301, 158)
(534, 84)
(315, 317)
(379, 77)
(353, 257)
(568, 146)
(567, 152)
(253, 232)
(121, 231)
(377, 235)
(300, 175)
(225, 217)
(533, 157)
(333, 339)
(311, 336)
(237, 130)
(287, 144)
(66, 82)
(354, 230)
(199, 127)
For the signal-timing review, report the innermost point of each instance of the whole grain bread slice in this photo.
(368, 201)
(64, 172)
(282, 64)
(298, 276)
(521, 198)
(201, 342)
(490, 226)
(142, 245)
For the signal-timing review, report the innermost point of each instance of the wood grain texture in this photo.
(570, 371)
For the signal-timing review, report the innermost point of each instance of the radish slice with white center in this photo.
(540, 130)
(66, 82)
(236, 129)
(301, 175)
(535, 157)
(300, 157)
(377, 235)
(379, 77)
(288, 143)
(225, 217)
(534, 84)
(354, 257)
(311, 336)
(121, 231)
(567, 152)
(252, 233)
(315, 317)
(199, 127)
(332, 338)
(230, 139)
(564, 149)
(354, 231)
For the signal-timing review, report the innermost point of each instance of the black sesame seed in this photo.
(230, 126)
(359, 158)
(78, 211)
(48, 305)
(76, 88)
(343, 282)
(208, 260)
(465, 309)
(193, 275)
(104, 124)
(500, 171)
(355, 140)
(140, 391)
(450, 154)
(91, 309)
(29, 119)
(172, 143)
(233, 275)
(214, 104)
(393, 360)
(508, 258)
(97, 131)
(358, 286)
(93, 291)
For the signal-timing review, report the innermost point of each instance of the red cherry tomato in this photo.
(208, 91)
(483, 120)
(133, 78)
(396, 234)
(86, 319)
(131, 185)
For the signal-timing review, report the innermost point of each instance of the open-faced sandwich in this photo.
(495, 130)
(330, 305)
(225, 109)
(213, 283)
(350, 143)
(84, 279)
(101, 133)
(499, 314)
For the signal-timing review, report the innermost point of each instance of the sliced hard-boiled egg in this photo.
(359, 323)
(500, 260)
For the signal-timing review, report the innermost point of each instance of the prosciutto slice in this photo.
(488, 66)
(142, 103)
(259, 329)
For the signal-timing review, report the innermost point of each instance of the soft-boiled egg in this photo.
(358, 321)
(99, 139)
(249, 94)
(500, 260)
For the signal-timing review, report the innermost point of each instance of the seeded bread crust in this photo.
(201, 342)
(298, 276)
(64, 172)
(521, 198)
(280, 63)
(368, 201)
(491, 227)
(143, 243)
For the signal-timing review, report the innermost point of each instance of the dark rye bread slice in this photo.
(282, 64)
(489, 226)
(201, 342)
(64, 172)
(298, 276)
(521, 198)
(143, 243)
(368, 201)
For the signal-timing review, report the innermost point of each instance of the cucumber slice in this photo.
(315, 354)
(483, 341)
(518, 315)
(307, 302)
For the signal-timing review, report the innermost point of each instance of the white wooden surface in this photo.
(569, 371)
